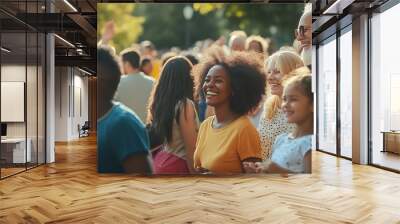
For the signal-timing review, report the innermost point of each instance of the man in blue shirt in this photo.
(122, 140)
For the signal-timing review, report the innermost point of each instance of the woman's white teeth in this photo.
(289, 112)
(211, 93)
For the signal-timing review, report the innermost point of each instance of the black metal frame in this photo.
(26, 90)
(338, 73)
(369, 96)
(316, 97)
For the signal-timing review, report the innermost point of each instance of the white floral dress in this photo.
(269, 129)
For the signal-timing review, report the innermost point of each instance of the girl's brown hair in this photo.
(286, 62)
(302, 81)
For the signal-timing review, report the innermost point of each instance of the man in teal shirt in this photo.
(122, 140)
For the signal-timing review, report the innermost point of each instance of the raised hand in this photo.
(109, 31)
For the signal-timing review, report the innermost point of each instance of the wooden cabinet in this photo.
(391, 141)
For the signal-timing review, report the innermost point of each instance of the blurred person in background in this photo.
(221, 42)
(237, 40)
(166, 56)
(256, 44)
(192, 58)
(149, 51)
(135, 87)
(146, 66)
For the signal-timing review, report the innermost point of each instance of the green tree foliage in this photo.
(166, 26)
(128, 27)
(204, 8)
(276, 21)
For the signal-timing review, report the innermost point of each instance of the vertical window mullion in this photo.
(317, 98)
(37, 90)
(338, 74)
(26, 86)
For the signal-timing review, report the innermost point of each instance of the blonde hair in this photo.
(286, 62)
(258, 39)
(238, 33)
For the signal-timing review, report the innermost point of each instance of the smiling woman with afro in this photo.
(233, 86)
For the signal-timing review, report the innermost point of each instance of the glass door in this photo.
(326, 105)
(385, 89)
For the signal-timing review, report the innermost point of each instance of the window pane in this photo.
(14, 153)
(385, 88)
(327, 97)
(31, 101)
(346, 94)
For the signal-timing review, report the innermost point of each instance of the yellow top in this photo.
(156, 69)
(222, 150)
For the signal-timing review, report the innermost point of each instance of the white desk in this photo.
(18, 149)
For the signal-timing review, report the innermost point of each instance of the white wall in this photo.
(71, 93)
(61, 103)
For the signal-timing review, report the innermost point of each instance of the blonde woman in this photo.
(279, 67)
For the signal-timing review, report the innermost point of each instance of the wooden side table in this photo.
(391, 141)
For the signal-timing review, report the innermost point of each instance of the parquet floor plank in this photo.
(71, 191)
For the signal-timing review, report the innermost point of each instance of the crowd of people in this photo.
(216, 108)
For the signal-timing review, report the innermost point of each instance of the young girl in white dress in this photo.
(292, 151)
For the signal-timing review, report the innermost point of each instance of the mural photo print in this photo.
(204, 88)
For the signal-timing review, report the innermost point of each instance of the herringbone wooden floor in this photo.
(71, 191)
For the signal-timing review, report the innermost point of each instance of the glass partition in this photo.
(22, 90)
(346, 93)
(14, 153)
(327, 96)
(385, 89)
